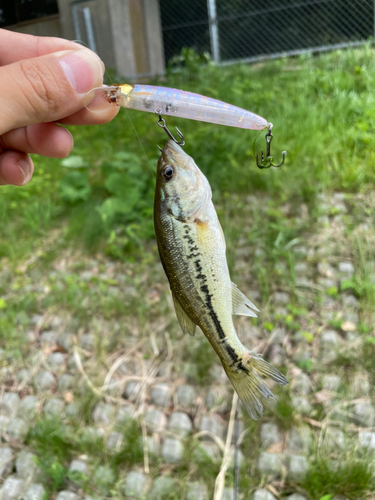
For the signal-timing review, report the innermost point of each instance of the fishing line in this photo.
(137, 135)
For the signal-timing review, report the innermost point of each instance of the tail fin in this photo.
(249, 386)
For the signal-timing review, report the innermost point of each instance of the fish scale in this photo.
(192, 251)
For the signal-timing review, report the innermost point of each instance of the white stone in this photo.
(132, 390)
(54, 407)
(87, 341)
(159, 394)
(9, 404)
(67, 495)
(56, 361)
(12, 488)
(155, 419)
(331, 382)
(103, 413)
(301, 405)
(211, 423)
(162, 488)
(35, 492)
(329, 338)
(301, 384)
(263, 494)
(180, 423)
(269, 463)
(114, 441)
(185, 395)
(172, 451)
(134, 485)
(197, 491)
(346, 268)
(364, 414)
(124, 414)
(26, 464)
(269, 434)
(44, 381)
(18, 429)
(367, 440)
(6, 462)
(299, 439)
(297, 466)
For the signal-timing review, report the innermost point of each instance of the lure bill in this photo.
(173, 102)
(192, 251)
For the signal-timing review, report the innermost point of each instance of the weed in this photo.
(351, 478)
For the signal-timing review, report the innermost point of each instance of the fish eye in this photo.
(168, 173)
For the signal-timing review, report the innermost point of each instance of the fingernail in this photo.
(83, 70)
(25, 169)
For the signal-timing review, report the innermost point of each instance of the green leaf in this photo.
(75, 186)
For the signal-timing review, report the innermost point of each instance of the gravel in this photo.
(172, 451)
(9, 404)
(366, 440)
(35, 492)
(26, 464)
(269, 434)
(103, 413)
(263, 494)
(270, 463)
(180, 423)
(211, 423)
(197, 491)
(12, 488)
(18, 429)
(54, 408)
(185, 395)
(155, 419)
(163, 487)
(67, 495)
(134, 485)
(44, 381)
(297, 466)
(159, 394)
(6, 461)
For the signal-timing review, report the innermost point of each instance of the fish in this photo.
(192, 251)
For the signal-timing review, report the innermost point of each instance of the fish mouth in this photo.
(174, 152)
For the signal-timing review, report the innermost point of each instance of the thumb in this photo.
(47, 88)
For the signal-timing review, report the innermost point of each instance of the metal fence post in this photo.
(214, 30)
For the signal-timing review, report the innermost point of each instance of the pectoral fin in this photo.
(185, 322)
(241, 304)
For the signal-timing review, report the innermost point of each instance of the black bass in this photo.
(192, 251)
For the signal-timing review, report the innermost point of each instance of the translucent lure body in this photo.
(173, 102)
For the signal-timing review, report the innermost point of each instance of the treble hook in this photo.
(161, 123)
(266, 162)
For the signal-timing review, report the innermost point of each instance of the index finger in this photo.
(17, 46)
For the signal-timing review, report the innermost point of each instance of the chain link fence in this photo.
(251, 30)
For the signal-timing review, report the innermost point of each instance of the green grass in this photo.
(56, 444)
(350, 477)
(323, 113)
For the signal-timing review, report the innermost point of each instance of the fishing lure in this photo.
(174, 102)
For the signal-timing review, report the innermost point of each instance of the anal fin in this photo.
(241, 304)
(186, 323)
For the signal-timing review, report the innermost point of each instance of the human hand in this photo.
(43, 80)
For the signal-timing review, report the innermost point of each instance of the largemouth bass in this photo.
(192, 251)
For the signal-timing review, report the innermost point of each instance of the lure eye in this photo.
(168, 173)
